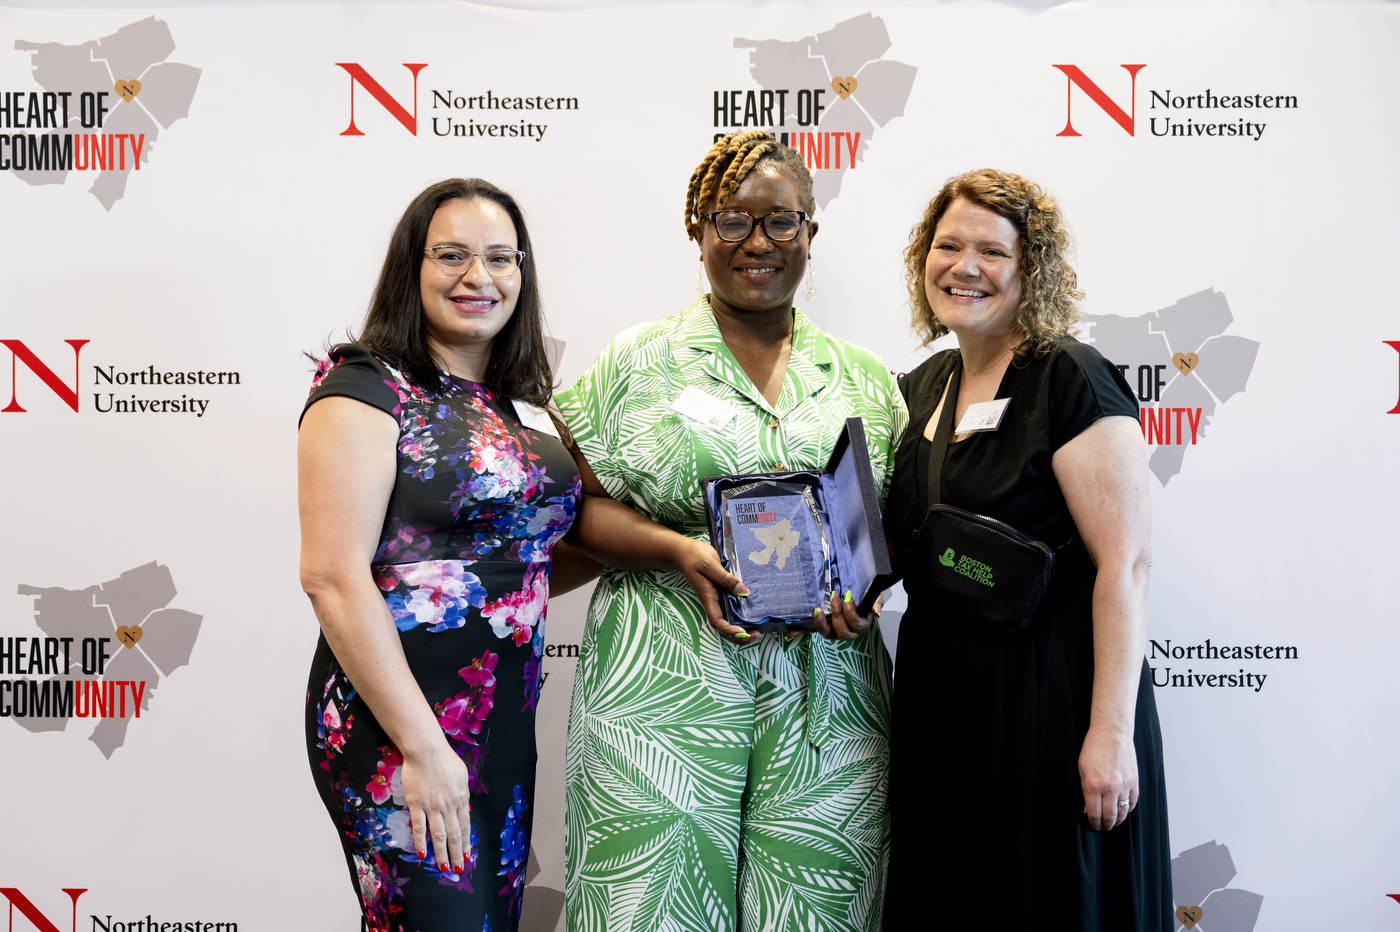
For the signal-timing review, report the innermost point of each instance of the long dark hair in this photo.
(394, 328)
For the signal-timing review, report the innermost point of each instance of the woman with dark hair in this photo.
(434, 490)
(1027, 790)
(715, 779)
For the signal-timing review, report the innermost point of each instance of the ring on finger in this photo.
(1123, 803)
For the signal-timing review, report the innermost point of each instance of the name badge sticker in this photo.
(982, 416)
(707, 409)
(535, 418)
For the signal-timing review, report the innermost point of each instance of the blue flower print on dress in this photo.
(436, 593)
(515, 851)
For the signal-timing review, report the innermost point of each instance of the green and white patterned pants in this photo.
(715, 787)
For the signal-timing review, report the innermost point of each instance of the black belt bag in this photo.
(982, 568)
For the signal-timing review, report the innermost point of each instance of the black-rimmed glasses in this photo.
(454, 260)
(781, 226)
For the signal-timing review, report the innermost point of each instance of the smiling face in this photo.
(465, 311)
(757, 274)
(973, 272)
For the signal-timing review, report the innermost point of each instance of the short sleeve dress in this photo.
(463, 565)
(986, 801)
(711, 786)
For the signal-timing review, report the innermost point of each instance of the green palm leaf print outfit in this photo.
(712, 786)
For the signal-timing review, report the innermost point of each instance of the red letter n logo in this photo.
(409, 120)
(1395, 345)
(19, 353)
(1106, 104)
(31, 912)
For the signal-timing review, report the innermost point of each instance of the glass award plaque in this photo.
(794, 537)
(776, 544)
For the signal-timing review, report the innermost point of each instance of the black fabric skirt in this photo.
(987, 812)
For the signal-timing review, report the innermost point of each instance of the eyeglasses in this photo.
(454, 260)
(734, 226)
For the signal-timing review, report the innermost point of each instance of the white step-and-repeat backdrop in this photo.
(193, 196)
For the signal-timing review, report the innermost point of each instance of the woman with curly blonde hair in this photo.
(1049, 810)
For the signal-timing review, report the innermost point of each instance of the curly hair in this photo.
(1050, 292)
(724, 167)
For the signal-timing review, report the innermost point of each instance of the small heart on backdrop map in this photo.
(1186, 362)
(129, 636)
(844, 87)
(128, 89)
(1188, 915)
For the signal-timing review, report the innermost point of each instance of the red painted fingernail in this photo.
(444, 867)
(458, 868)
(422, 855)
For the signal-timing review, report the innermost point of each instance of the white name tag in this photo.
(985, 415)
(535, 418)
(707, 409)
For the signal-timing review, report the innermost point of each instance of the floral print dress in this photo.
(463, 565)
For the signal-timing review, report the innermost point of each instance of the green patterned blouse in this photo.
(655, 458)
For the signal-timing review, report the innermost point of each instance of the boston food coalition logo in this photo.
(101, 658)
(118, 92)
(824, 95)
(1183, 366)
(1198, 112)
(1204, 900)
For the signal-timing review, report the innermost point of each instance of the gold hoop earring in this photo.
(811, 280)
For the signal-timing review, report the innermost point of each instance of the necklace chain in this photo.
(972, 374)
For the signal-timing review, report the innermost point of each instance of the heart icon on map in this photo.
(128, 90)
(1188, 915)
(1186, 362)
(844, 87)
(129, 636)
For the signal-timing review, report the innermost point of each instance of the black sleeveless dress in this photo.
(987, 811)
(463, 565)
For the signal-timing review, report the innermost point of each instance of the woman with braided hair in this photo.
(717, 780)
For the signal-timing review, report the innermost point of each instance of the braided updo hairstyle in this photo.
(725, 166)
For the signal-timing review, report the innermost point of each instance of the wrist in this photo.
(1117, 731)
(676, 549)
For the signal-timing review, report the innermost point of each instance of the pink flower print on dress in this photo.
(465, 712)
(387, 784)
(516, 614)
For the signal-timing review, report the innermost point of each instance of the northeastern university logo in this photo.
(1197, 112)
(102, 107)
(140, 389)
(458, 111)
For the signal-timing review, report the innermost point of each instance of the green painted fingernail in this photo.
(742, 634)
(848, 596)
(742, 595)
(816, 611)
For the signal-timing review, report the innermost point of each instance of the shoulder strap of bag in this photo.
(939, 448)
